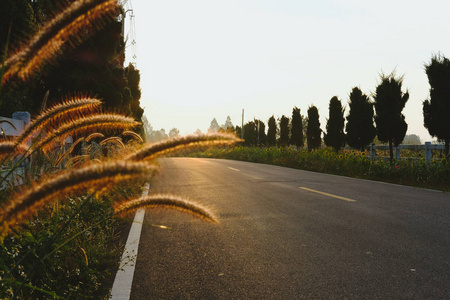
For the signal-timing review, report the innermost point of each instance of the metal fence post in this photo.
(427, 152)
(397, 153)
(372, 152)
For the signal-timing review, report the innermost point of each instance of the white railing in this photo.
(427, 148)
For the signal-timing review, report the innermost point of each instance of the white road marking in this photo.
(234, 169)
(326, 194)
(121, 288)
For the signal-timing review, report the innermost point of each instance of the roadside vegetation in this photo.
(349, 163)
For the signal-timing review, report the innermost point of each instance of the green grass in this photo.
(434, 175)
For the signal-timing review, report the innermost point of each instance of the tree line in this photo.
(368, 117)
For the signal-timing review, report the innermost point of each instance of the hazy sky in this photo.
(201, 59)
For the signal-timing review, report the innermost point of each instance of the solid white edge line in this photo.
(121, 289)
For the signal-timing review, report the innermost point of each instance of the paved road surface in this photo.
(279, 238)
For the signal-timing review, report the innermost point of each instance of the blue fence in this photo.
(427, 148)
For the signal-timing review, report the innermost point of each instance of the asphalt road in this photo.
(279, 238)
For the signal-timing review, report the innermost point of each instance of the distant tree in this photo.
(158, 135)
(261, 132)
(214, 126)
(272, 132)
(389, 103)
(436, 110)
(250, 134)
(412, 139)
(198, 131)
(305, 127)
(335, 136)
(284, 131)
(147, 128)
(174, 132)
(313, 131)
(237, 131)
(228, 126)
(296, 128)
(360, 129)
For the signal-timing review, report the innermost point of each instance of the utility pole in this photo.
(242, 127)
(258, 133)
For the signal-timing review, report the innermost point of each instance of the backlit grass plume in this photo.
(133, 134)
(8, 148)
(85, 125)
(182, 143)
(76, 181)
(93, 136)
(78, 105)
(69, 26)
(166, 201)
(113, 140)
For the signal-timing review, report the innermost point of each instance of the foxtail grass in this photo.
(79, 105)
(78, 181)
(7, 148)
(93, 136)
(68, 27)
(90, 123)
(166, 201)
(182, 143)
(113, 140)
(133, 134)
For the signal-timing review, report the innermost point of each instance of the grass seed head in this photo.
(166, 201)
(182, 143)
(74, 181)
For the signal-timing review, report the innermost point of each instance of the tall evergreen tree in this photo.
(360, 129)
(335, 136)
(436, 110)
(250, 134)
(296, 128)
(389, 103)
(313, 131)
(261, 132)
(284, 131)
(272, 132)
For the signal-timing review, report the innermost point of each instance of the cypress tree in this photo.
(436, 110)
(297, 128)
(284, 131)
(389, 103)
(272, 132)
(261, 132)
(313, 131)
(250, 134)
(360, 129)
(335, 136)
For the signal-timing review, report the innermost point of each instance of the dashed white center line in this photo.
(326, 194)
(234, 169)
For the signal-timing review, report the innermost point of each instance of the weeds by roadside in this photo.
(434, 175)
